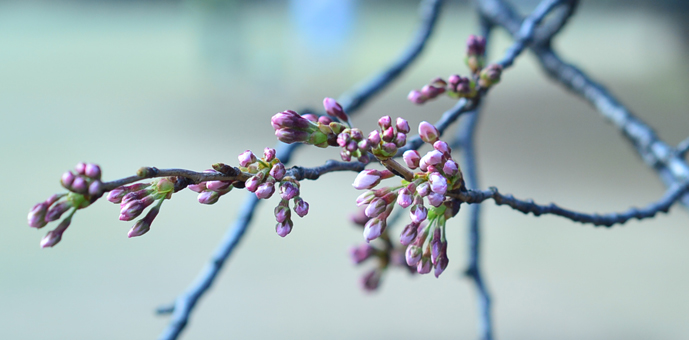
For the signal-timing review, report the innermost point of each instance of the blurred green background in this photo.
(187, 84)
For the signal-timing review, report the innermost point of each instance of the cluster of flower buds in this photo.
(85, 188)
(134, 199)
(476, 51)
(322, 131)
(211, 191)
(385, 142)
(490, 75)
(438, 174)
(289, 190)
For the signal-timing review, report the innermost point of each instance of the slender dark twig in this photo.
(185, 303)
(682, 148)
(528, 206)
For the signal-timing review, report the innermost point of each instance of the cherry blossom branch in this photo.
(185, 303)
(528, 206)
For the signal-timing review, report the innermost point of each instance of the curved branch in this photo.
(608, 220)
(196, 177)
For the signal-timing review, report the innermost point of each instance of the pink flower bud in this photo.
(116, 195)
(413, 255)
(433, 157)
(80, 168)
(352, 146)
(367, 179)
(79, 185)
(450, 168)
(364, 145)
(325, 120)
(423, 189)
(252, 183)
(400, 140)
(371, 280)
(92, 170)
(301, 207)
(364, 159)
(424, 266)
(365, 198)
(265, 190)
(408, 234)
(438, 183)
(345, 155)
(454, 80)
(310, 117)
(435, 199)
(334, 109)
(217, 185)
(418, 213)
(440, 266)
(57, 210)
(428, 132)
(361, 253)
(194, 187)
(67, 179)
(443, 148)
(290, 120)
(284, 228)
(247, 157)
(376, 207)
(143, 225)
(374, 138)
(95, 189)
(208, 197)
(356, 134)
(292, 136)
(385, 122)
(389, 149)
(411, 158)
(388, 134)
(268, 154)
(416, 97)
(136, 195)
(289, 190)
(402, 125)
(405, 198)
(282, 213)
(476, 46)
(343, 139)
(436, 245)
(373, 229)
(278, 171)
(132, 209)
(37, 214)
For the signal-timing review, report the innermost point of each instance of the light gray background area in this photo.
(189, 84)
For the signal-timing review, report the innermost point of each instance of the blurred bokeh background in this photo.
(190, 83)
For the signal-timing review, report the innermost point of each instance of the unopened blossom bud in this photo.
(278, 171)
(288, 190)
(310, 117)
(365, 198)
(217, 185)
(374, 138)
(364, 145)
(454, 80)
(132, 209)
(352, 146)
(345, 155)
(438, 183)
(430, 91)
(56, 211)
(268, 154)
(385, 122)
(418, 213)
(428, 132)
(136, 195)
(405, 198)
(424, 266)
(435, 200)
(265, 190)
(325, 120)
(440, 266)
(367, 179)
(402, 125)
(67, 179)
(208, 197)
(423, 165)
(116, 195)
(411, 158)
(436, 245)
(282, 213)
(284, 228)
(333, 108)
(413, 254)
(388, 134)
(423, 189)
(376, 207)
(442, 147)
(450, 168)
(79, 185)
(290, 120)
(143, 225)
(92, 170)
(373, 228)
(95, 189)
(476, 45)
(356, 134)
(193, 187)
(364, 159)
(416, 97)
(408, 234)
(54, 236)
(301, 207)
(252, 183)
(433, 157)
(389, 149)
(343, 139)
(361, 253)
(371, 280)
(490, 75)
(247, 157)
(400, 140)
(464, 87)
(37, 214)
(291, 136)
(80, 168)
